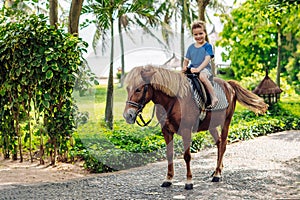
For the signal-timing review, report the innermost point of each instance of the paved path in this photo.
(267, 167)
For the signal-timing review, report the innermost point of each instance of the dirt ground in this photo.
(14, 172)
(266, 167)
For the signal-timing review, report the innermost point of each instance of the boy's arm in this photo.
(185, 64)
(202, 66)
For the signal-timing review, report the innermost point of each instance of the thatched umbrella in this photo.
(268, 90)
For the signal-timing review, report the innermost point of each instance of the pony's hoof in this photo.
(188, 186)
(166, 184)
(216, 179)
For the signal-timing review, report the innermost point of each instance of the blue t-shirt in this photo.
(197, 55)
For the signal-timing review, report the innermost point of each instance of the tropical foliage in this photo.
(38, 67)
(251, 38)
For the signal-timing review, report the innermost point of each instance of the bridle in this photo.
(140, 107)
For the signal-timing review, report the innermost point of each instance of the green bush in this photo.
(279, 117)
(125, 147)
(38, 70)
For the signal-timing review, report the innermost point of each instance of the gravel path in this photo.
(267, 167)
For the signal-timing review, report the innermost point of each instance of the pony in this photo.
(177, 112)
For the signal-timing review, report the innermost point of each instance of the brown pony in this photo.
(178, 113)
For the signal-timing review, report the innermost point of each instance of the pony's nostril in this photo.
(131, 116)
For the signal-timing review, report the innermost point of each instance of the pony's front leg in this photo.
(187, 158)
(170, 153)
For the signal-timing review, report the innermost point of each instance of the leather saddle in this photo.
(199, 88)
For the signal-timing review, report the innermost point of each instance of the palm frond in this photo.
(96, 39)
(148, 31)
(100, 35)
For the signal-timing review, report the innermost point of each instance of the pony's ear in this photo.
(147, 75)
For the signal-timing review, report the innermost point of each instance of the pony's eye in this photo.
(138, 90)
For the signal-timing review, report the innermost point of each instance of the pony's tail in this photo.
(249, 99)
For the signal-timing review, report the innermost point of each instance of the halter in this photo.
(140, 107)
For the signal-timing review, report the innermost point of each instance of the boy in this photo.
(199, 54)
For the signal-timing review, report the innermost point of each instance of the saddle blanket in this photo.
(200, 97)
(223, 103)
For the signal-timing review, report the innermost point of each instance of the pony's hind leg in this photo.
(215, 134)
(170, 148)
(221, 144)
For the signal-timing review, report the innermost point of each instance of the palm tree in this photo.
(105, 11)
(136, 13)
(127, 13)
(178, 9)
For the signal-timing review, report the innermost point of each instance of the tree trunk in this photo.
(15, 152)
(5, 148)
(20, 145)
(202, 4)
(122, 51)
(17, 129)
(42, 151)
(201, 10)
(14, 145)
(110, 85)
(74, 16)
(182, 46)
(29, 126)
(278, 55)
(53, 12)
(53, 160)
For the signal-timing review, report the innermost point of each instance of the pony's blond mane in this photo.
(172, 83)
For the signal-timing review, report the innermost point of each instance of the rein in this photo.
(142, 119)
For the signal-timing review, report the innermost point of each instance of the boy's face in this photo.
(199, 35)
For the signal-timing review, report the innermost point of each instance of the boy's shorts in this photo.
(206, 71)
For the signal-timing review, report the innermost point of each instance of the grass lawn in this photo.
(94, 103)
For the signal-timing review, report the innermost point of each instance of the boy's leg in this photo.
(204, 78)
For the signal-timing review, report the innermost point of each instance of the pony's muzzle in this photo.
(130, 115)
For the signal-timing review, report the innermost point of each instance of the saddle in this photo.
(202, 96)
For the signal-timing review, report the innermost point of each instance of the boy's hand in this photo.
(195, 70)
